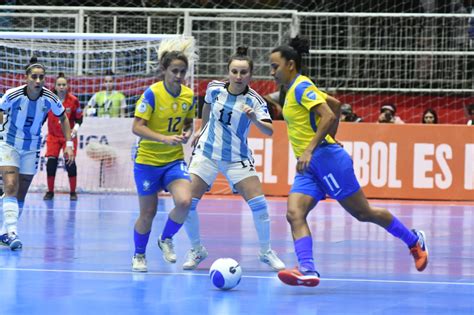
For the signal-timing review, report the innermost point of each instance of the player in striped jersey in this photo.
(164, 121)
(26, 108)
(323, 167)
(229, 110)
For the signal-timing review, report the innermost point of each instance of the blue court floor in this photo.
(76, 260)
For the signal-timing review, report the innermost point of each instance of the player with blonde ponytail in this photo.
(164, 121)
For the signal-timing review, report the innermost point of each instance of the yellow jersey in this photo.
(302, 122)
(165, 113)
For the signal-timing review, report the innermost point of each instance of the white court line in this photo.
(190, 274)
(236, 213)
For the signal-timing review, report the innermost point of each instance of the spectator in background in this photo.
(348, 115)
(470, 113)
(107, 103)
(429, 117)
(275, 102)
(388, 115)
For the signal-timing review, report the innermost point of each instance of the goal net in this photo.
(105, 145)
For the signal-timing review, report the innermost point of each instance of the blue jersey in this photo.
(24, 117)
(224, 137)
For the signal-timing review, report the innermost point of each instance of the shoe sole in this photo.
(292, 279)
(139, 270)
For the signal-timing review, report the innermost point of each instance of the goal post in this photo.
(105, 145)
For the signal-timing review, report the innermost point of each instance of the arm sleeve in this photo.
(145, 105)
(308, 95)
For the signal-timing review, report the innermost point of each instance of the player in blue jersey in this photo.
(229, 110)
(26, 108)
(164, 121)
(323, 167)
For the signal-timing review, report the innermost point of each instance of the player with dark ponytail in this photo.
(323, 167)
(221, 146)
(26, 108)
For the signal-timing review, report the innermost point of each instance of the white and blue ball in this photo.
(225, 273)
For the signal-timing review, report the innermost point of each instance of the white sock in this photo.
(258, 205)
(191, 225)
(10, 215)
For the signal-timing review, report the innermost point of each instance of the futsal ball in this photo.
(225, 273)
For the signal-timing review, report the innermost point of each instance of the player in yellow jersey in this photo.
(163, 120)
(323, 167)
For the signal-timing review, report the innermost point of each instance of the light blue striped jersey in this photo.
(24, 117)
(224, 137)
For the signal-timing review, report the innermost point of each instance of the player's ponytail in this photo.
(294, 51)
(33, 64)
(241, 54)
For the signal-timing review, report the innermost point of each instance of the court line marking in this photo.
(234, 213)
(105, 272)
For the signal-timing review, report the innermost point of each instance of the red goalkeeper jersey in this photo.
(73, 112)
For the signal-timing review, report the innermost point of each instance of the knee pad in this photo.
(71, 169)
(51, 166)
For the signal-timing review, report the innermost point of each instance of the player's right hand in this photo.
(174, 140)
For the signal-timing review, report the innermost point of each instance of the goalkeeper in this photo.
(55, 141)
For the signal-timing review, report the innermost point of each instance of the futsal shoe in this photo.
(167, 248)
(194, 257)
(420, 251)
(139, 263)
(11, 241)
(298, 278)
(270, 258)
(49, 195)
(73, 196)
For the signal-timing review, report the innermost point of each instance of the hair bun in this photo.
(61, 75)
(242, 51)
(33, 59)
(301, 45)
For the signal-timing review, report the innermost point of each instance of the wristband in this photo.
(69, 144)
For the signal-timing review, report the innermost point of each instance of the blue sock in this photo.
(261, 220)
(191, 225)
(397, 229)
(304, 252)
(141, 240)
(170, 229)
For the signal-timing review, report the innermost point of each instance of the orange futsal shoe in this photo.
(420, 251)
(296, 277)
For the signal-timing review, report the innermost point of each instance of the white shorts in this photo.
(26, 161)
(208, 169)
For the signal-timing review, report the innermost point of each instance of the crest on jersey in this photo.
(174, 107)
(184, 106)
(311, 95)
(142, 107)
(68, 110)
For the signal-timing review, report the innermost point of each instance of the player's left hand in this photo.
(249, 112)
(186, 135)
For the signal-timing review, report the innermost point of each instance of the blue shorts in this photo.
(330, 172)
(150, 179)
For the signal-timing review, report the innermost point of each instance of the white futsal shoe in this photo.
(139, 263)
(167, 248)
(194, 257)
(270, 258)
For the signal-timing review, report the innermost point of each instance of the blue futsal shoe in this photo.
(11, 241)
